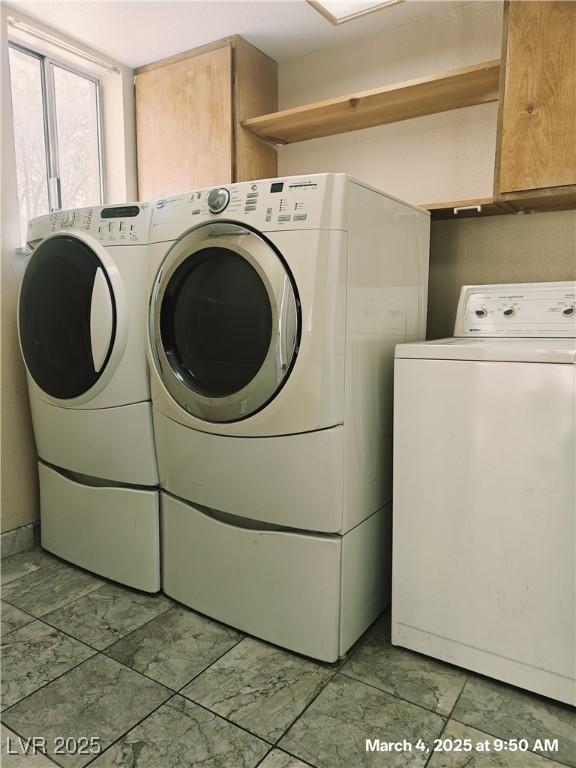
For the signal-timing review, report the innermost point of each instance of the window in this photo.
(56, 133)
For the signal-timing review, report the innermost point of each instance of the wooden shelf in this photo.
(467, 209)
(534, 201)
(465, 87)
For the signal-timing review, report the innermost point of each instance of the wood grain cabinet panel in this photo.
(189, 110)
(537, 132)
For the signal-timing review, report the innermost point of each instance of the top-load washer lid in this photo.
(224, 322)
(499, 350)
(68, 316)
(518, 322)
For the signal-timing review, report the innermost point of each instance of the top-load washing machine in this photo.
(484, 489)
(82, 320)
(273, 319)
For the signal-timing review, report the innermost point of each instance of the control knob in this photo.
(218, 199)
(67, 218)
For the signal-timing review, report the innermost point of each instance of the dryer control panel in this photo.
(126, 224)
(546, 310)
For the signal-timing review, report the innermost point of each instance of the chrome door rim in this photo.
(285, 310)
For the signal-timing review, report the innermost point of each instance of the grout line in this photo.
(106, 647)
(131, 728)
(28, 695)
(43, 754)
(395, 696)
(312, 700)
(64, 605)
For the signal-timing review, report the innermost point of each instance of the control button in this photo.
(268, 218)
(268, 211)
(300, 216)
(250, 208)
(252, 194)
(254, 187)
(218, 199)
(569, 311)
(195, 212)
(509, 312)
(480, 313)
(284, 217)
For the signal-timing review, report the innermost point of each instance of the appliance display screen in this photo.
(278, 186)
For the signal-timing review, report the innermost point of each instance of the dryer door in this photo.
(225, 322)
(68, 317)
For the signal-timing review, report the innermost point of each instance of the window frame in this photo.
(47, 63)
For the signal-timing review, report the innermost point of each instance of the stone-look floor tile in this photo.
(107, 614)
(175, 647)
(100, 698)
(16, 566)
(17, 540)
(411, 676)
(14, 753)
(259, 687)
(50, 587)
(180, 735)
(33, 656)
(332, 733)
(510, 713)
(483, 753)
(279, 759)
(12, 618)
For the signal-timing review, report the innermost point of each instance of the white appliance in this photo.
(484, 489)
(82, 328)
(274, 316)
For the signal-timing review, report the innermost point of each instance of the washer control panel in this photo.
(127, 224)
(517, 310)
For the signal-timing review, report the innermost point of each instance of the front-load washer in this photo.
(81, 321)
(273, 318)
(484, 489)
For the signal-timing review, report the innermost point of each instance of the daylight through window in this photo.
(57, 135)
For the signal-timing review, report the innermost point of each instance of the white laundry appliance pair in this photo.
(275, 309)
(82, 327)
(484, 489)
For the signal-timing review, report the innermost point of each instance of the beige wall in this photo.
(436, 158)
(19, 489)
(496, 249)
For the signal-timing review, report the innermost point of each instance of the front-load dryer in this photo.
(81, 322)
(275, 308)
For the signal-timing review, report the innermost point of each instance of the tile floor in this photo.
(163, 687)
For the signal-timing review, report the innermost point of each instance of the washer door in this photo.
(225, 322)
(68, 317)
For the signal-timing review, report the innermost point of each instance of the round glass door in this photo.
(64, 343)
(225, 322)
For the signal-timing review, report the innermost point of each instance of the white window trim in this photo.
(50, 128)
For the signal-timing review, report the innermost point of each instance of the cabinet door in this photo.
(538, 113)
(184, 124)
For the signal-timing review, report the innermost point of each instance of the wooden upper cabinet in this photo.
(537, 122)
(188, 114)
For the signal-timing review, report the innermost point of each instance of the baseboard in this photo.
(19, 539)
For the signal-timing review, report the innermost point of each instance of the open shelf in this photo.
(477, 84)
(532, 201)
(466, 209)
